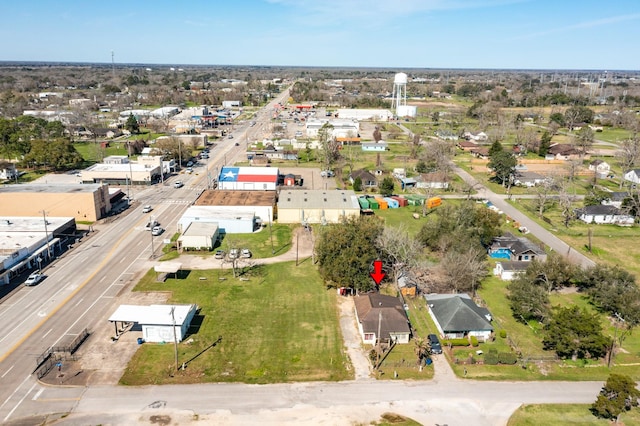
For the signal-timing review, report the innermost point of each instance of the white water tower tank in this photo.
(400, 78)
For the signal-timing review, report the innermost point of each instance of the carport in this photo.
(167, 268)
(160, 323)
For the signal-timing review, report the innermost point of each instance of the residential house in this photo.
(632, 176)
(379, 313)
(601, 168)
(446, 135)
(466, 145)
(480, 136)
(564, 152)
(482, 153)
(510, 247)
(456, 316)
(435, 180)
(528, 179)
(507, 270)
(603, 214)
(367, 178)
(615, 199)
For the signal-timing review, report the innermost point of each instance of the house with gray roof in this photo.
(510, 247)
(457, 316)
(379, 314)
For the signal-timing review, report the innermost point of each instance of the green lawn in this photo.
(272, 329)
(266, 243)
(565, 414)
(92, 152)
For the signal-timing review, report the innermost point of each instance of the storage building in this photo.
(316, 206)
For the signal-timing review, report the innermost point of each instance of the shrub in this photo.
(474, 341)
(503, 333)
(457, 342)
(491, 357)
(507, 358)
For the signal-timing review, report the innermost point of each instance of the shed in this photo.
(382, 204)
(158, 322)
(392, 203)
(402, 202)
(198, 236)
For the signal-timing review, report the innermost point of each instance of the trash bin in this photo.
(429, 361)
(140, 340)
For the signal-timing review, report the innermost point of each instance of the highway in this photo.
(79, 290)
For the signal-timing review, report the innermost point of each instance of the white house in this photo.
(457, 316)
(507, 270)
(605, 214)
(632, 176)
(601, 168)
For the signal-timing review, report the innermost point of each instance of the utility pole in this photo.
(152, 250)
(175, 339)
(46, 233)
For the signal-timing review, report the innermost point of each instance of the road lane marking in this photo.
(103, 278)
(79, 301)
(123, 259)
(35, 397)
(19, 402)
(45, 334)
(7, 372)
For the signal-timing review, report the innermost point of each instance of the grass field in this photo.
(266, 243)
(565, 414)
(272, 329)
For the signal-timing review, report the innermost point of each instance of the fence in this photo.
(54, 354)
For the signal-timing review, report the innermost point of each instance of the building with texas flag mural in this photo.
(248, 178)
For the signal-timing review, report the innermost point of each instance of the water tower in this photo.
(399, 101)
(399, 91)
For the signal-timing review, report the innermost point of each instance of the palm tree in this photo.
(421, 348)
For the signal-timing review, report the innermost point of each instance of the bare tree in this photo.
(464, 271)
(565, 200)
(543, 194)
(628, 155)
(400, 249)
(584, 139)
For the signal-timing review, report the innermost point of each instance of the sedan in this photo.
(34, 279)
(157, 231)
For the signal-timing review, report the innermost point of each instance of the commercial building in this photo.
(159, 323)
(29, 242)
(248, 178)
(316, 206)
(83, 202)
(119, 170)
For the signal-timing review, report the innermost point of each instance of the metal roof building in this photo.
(317, 206)
(248, 178)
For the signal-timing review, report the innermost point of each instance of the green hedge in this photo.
(503, 333)
(493, 357)
(457, 342)
(474, 341)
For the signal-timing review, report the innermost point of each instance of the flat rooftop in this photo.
(50, 188)
(212, 197)
(134, 167)
(318, 199)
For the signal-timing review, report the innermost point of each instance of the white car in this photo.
(246, 253)
(157, 231)
(178, 184)
(233, 254)
(34, 279)
(147, 209)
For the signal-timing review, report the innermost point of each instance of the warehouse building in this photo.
(119, 170)
(316, 206)
(82, 202)
(248, 178)
(198, 236)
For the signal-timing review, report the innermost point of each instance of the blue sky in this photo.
(512, 34)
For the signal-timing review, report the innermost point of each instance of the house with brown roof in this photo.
(381, 316)
(564, 152)
(466, 145)
(367, 178)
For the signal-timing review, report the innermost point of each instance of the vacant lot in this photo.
(271, 329)
(565, 414)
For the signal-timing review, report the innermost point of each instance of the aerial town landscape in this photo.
(304, 244)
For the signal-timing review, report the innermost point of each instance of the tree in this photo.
(528, 301)
(575, 333)
(387, 186)
(545, 143)
(346, 251)
(357, 184)
(584, 139)
(495, 147)
(503, 164)
(463, 270)
(399, 249)
(628, 155)
(543, 194)
(132, 124)
(421, 348)
(619, 394)
(577, 114)
(59, 154)
(377, 134)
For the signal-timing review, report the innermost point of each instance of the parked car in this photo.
(190, 164)
(230, 136)
(189, 170)
(246, 253)
(178, 184)
(436, 348)
(233, 254)
(204, 155)
(327, 173)
(219, 254)
(34, 279)
(157, 231)
(147, 209)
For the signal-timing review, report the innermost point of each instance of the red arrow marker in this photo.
(377, 273)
